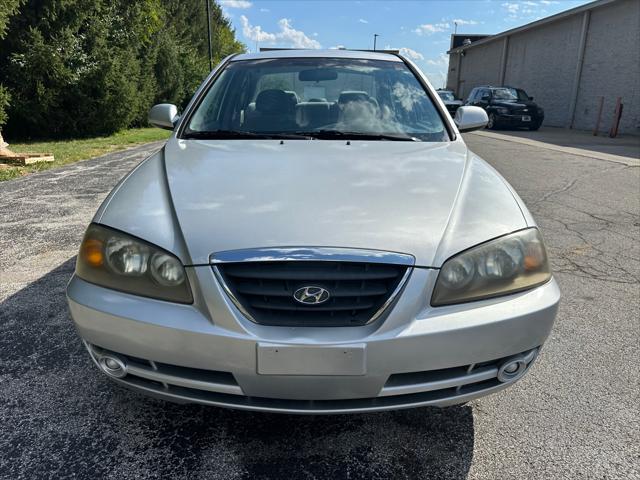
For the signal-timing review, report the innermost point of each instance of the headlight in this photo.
(502, 110)
(115, 260)
(505, 265)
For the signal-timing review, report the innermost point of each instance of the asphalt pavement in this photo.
(575, 415)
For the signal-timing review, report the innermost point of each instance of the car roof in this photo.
(333, 53)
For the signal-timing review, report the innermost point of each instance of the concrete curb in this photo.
(629, 161)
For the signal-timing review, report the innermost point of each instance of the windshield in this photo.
(447, 96)
(317, 98)
(510, 94)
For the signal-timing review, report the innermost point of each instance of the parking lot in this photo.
(576, 415)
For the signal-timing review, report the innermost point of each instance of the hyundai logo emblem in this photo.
(311, 295)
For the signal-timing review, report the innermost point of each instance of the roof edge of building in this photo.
(536, 23)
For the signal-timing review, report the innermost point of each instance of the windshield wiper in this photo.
(240, 134)
(342, 135)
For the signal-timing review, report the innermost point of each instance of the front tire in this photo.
(533, 128)
(492, 123)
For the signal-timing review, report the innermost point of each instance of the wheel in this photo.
(534, 127)
(492, 123)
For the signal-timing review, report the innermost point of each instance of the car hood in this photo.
(429, 200)
(453, 102)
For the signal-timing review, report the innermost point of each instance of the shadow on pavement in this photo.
(62, 418)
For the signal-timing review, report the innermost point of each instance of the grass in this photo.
(69, 151)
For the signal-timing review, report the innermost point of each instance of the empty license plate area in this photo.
(276, 359)
(526, 118)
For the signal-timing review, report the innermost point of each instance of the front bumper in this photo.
(516, 120)
(208, 353)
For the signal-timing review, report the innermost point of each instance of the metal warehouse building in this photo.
(566, 62)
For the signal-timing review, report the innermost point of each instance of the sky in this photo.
(419, 29)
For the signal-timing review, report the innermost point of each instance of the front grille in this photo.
(358, 290)
(521, 111)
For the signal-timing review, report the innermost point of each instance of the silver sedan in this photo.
(315, 237)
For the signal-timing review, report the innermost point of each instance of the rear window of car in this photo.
(311, 95)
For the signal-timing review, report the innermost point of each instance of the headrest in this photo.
(353, 96)
(292, 95)
(274, 101)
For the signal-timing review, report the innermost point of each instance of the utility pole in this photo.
(375, 37)
(209, 35)
(455, 28)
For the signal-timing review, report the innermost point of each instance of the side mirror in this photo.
(163, 115)
(531, 98)
(485, 98)
(470, 118)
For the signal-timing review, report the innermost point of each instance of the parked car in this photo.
(450, 101)
(507, 107)
(337, 250)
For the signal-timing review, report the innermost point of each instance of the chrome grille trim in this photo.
(334, 254)
(392, 297)
(231, 295)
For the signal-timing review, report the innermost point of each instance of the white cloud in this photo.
(287, 36)
(512, 8)
(412, 54)
(297, 38)
(406, 52)
(430, 28)
(461, 21)
(337, 47)
(441, 61)
(362, 20)
(265, 10)
(526, 9)
(244, 4)
(255, 33)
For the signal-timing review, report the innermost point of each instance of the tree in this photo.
(84, 67)
(7, 9)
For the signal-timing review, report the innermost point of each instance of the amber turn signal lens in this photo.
(91, 251)
(531, 262)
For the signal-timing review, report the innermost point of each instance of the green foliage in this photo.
(85, 67)
(7, 8)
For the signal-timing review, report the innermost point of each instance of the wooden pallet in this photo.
(27, 158)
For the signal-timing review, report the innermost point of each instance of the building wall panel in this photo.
(611, 67)
(543, 62)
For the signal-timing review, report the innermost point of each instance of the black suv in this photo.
(449, 100)
(507, 107)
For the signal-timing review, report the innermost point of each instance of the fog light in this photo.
(113, 366)
(512, 369)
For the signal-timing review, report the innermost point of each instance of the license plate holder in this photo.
(526, 118)
(342, 360)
